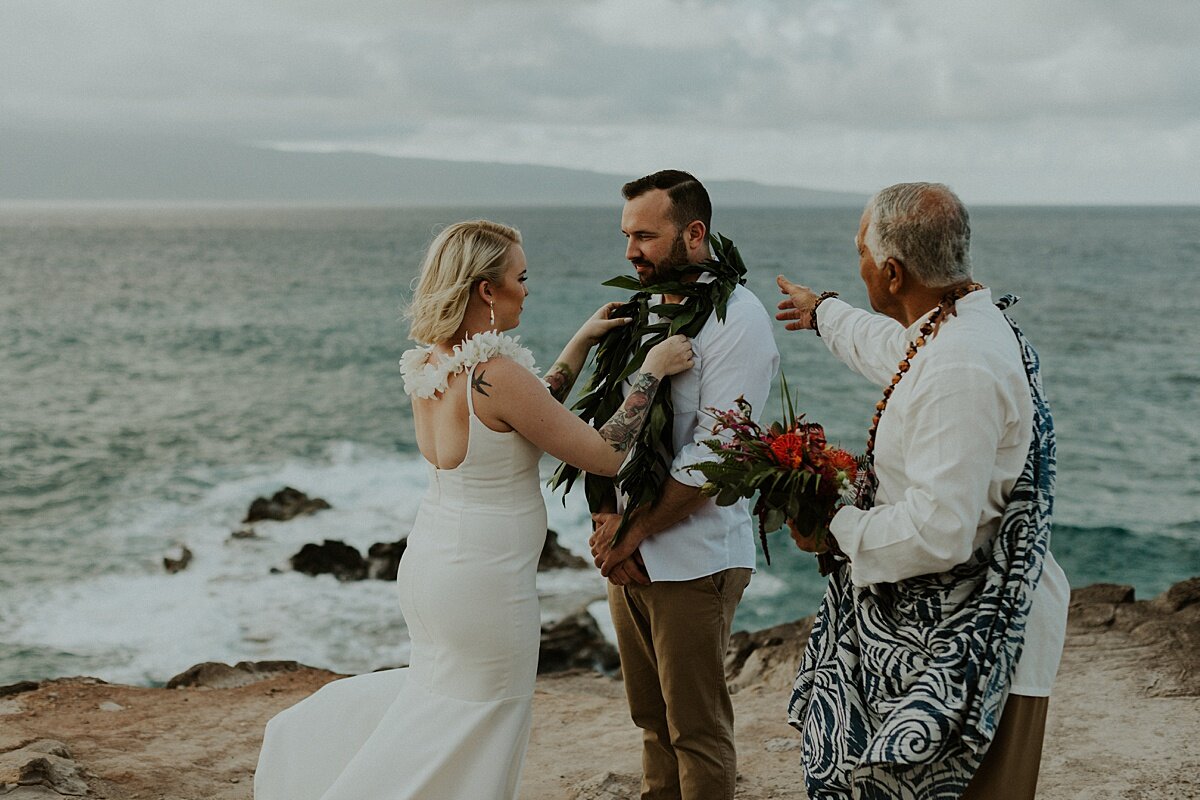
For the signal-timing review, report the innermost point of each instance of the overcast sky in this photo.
(1057, 101)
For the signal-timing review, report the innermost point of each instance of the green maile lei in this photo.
(621, 353)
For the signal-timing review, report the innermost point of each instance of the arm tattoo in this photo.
(623, 427)
(479, 384)
(560, 379)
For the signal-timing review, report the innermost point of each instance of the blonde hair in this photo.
(461, 256)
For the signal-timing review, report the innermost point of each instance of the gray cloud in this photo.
(835, 93)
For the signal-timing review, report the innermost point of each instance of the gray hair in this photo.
(925, 227)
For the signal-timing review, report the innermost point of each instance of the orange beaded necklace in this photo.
(945, 308)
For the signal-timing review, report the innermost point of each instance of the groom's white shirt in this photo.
(734, 358)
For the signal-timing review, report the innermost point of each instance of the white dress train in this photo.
(454, 724)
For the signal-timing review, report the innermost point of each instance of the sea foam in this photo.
(142, 625)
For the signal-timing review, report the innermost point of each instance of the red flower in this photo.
(789, 449)
(842, 461)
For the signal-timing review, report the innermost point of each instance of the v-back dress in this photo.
(455, 723)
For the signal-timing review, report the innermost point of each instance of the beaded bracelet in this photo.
(821, 299)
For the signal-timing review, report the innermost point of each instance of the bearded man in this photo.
(680, 568)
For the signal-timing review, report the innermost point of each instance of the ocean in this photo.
(163, 367)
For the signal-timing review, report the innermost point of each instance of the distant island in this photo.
(84, 168)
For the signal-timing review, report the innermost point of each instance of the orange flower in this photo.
(842, 461)
(788, 449)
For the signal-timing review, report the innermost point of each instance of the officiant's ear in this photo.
(895, 273)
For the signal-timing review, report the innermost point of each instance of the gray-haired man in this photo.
(932, 659)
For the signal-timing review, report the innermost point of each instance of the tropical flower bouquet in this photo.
(798, 477)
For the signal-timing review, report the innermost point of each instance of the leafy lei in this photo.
(621, 353)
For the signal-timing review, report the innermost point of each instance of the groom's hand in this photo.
(622, 564)
(631, 570)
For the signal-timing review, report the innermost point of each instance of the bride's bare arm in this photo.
(517, 398)
(561, 377)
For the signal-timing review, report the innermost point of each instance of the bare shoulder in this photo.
(501, 375)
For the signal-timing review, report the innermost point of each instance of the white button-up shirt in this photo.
(734, 358)
(950, 445)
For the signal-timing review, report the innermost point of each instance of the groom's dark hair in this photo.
(689, 198)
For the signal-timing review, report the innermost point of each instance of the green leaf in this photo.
(621, 353)
(624, 282)
(773, 520)
(727, 497)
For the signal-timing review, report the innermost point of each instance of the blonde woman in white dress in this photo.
(455, 723)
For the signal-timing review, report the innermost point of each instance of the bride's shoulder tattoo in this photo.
(479, 384)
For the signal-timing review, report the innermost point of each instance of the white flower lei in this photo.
(427, 379)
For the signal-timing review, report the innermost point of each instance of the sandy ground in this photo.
(1124, 722)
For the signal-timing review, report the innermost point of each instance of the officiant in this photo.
(932, 659)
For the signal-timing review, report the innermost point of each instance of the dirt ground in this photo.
(1124, 722)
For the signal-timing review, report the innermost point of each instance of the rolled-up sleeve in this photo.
(739, 359)
(954, 426)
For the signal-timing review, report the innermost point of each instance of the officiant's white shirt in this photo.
(734, 358)
(949, 448)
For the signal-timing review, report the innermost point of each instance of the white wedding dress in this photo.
(455, 723)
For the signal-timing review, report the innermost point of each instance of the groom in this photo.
(679, 571)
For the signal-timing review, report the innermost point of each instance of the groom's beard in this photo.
(649, 272)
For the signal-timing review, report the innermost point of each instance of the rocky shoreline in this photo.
(1124, 719)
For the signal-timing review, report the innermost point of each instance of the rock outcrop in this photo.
(179, 561)
(769, 656)
(216, 675)
(331, 557)
(575, 642)
(555, 556)
(41, 769)
(383, 559)
(346, 563)
(1169, 624)
(285, 504)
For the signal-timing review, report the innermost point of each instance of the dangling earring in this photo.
(492, 313)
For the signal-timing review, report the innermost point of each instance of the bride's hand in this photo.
(601, 323)
(669, 357)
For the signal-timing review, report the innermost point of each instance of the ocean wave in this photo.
(1113, 554)
(110, 610)
(131, 622)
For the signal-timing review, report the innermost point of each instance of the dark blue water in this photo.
(160, 368)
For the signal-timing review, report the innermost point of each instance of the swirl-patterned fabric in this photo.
(902, 686)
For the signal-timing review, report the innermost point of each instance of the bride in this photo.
(455, 723)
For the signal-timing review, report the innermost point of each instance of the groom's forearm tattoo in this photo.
(479, 384)
(560, 379)
(622, 428)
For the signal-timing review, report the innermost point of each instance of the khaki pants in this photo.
(1010, 767)
(673, 636)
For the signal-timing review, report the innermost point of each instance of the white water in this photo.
(143, 625)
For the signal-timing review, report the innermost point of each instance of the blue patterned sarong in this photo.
(901, 688)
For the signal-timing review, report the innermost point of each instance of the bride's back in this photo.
(443, 423)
